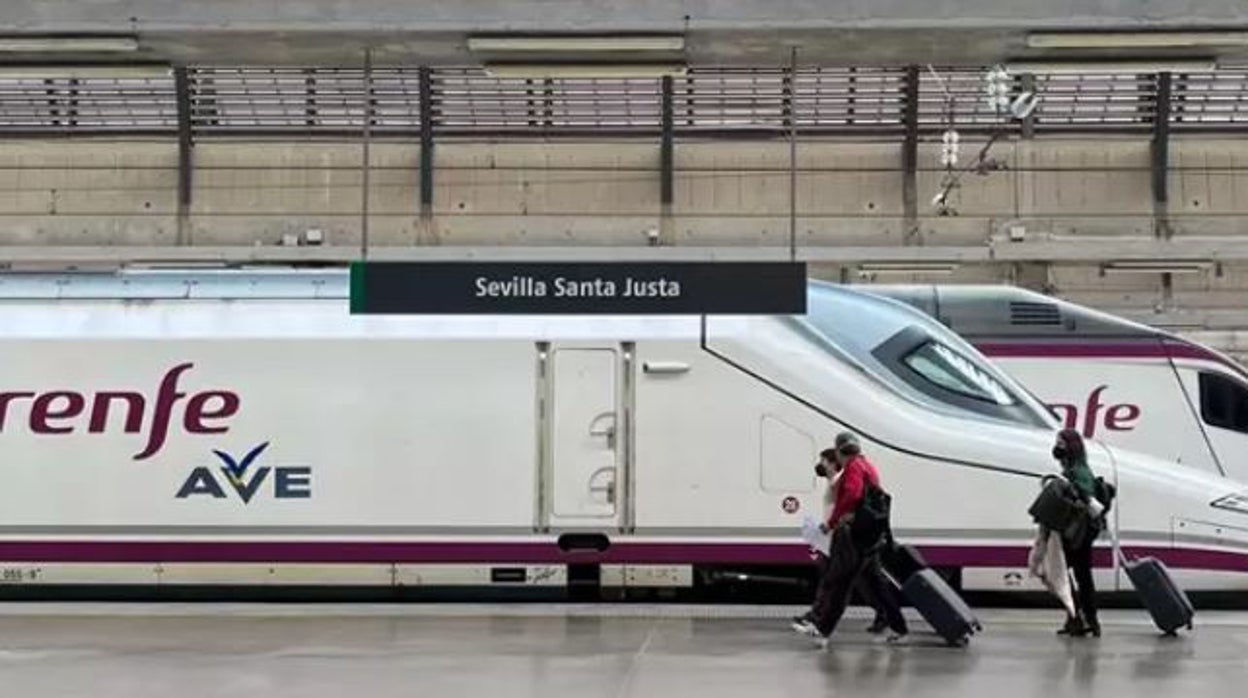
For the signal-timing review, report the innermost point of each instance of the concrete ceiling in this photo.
(718, 32)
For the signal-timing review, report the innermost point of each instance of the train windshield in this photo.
(945, 367)
(917, 356)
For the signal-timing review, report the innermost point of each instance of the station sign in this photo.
(577, 288)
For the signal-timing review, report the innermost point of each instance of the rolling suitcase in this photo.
(941, 607)
(1165, 601)
(902, 561)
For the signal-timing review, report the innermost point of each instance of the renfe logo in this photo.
(289, 482)
(54, 412)
(1122, 416)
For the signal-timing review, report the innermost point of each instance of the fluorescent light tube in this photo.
(579, 44)
(1156, 267)
(907, 267)
(1091, 40)
(583, 70)
(1103, 66)
(68, 44)
(1112, 66)
(64, 72)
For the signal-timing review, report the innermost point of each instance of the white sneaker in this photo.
(805, 628)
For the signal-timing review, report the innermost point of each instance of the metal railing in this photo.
(466, 102)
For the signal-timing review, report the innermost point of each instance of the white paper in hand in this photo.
(816, 539)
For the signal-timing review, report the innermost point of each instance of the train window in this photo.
(1223, 402)
(952, 371)
(936, 369)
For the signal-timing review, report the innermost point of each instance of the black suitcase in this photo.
(941, 607)
(1165, 601)
(902, 561)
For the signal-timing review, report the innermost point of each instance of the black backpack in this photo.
(870, 525)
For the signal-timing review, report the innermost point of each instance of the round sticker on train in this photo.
(790, 505)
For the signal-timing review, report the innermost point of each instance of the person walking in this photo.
(853, 561)
(1070, 452)
(830, 468)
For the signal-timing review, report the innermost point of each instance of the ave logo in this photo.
(286, 481)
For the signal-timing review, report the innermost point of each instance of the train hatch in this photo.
(585, 436)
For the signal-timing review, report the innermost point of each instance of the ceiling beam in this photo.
(1068, 251)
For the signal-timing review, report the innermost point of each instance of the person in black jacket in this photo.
(853, 560)
(1070, 452)
(828, 467)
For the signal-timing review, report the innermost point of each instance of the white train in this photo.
(1128, 384)
(241, 428)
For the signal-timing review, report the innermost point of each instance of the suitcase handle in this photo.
(1112, 526)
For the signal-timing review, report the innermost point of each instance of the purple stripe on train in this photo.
(1085, 349)
(547, 553)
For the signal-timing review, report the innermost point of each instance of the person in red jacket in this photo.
(858, 471)
(829, 467)
(847, 564)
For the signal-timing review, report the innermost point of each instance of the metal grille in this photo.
(1027, 313)
(969, 107)
(276, 100)
(732, 100)
(850, 99)
(1079, 102)
(727, 101)
(469, 101)
(38, 106)
(821, 100)
(1210, 100)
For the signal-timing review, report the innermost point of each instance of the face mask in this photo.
(1059, 452)
(821, 471)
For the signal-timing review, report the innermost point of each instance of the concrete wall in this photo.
(124, 193)
(115, 193)
(65, 15)
(72, 193)
(718, 32)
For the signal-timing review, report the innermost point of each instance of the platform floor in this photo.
(582, 651)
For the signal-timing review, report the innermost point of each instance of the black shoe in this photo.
(877, 626)
(1074, 628)
(1094, 629)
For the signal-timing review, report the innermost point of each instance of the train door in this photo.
(585, 433)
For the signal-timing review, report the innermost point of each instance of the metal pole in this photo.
(665, 143)
(910, 153)
(426, 139)
(366, 164)
(1161, 155)
(186, 163)
(793, 155)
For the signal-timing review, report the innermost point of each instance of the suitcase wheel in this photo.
(978, 627)
(959, 642)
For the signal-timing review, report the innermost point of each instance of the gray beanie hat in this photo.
(847, 443)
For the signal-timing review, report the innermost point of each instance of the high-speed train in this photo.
(242, 428)
(1129, 384)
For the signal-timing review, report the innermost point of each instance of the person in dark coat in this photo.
(829, 468)
(1070, 452)
(848, 563)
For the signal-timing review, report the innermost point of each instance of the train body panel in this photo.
(1133, 386)
(257, 430)
(180, 433)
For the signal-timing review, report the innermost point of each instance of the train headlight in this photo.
(1233, 502)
